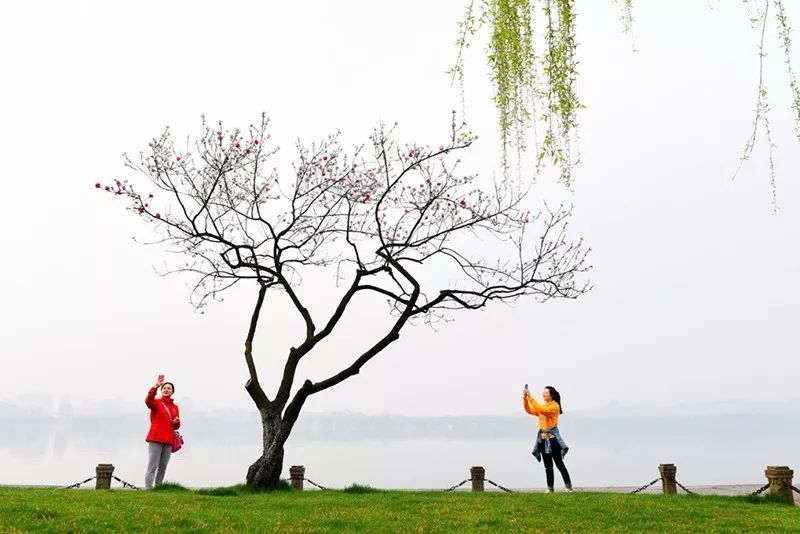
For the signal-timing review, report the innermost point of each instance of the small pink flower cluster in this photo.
(122, 187)
(237, 148)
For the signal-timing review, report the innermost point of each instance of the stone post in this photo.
(297, 473)
(103, 472)
(477, 473)
(667, 472)
(780, 482)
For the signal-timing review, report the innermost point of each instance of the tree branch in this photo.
(252, 385)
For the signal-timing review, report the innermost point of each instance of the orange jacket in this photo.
(547, 412)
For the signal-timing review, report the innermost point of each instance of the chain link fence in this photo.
(684, 488)
(495, 484)
(759, 491)
(642, 488)
(125, 484)
(79, 484)
(659, 479)
(315, 484)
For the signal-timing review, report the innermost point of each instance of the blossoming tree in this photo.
(392, 218)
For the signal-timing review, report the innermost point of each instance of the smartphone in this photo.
(160, 378)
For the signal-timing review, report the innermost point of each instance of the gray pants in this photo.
(159, 454)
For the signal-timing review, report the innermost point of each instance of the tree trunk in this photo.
(265, 473)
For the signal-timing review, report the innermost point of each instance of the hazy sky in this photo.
(696, 280)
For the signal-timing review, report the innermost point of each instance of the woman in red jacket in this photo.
(164, 420)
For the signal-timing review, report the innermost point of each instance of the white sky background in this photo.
(696, 280)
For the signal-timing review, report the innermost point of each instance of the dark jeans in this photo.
(555, 456)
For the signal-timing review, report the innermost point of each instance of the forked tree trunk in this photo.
(265, 473)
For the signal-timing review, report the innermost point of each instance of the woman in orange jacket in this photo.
(549, 445)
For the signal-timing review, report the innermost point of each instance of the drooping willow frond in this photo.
(533, 65)
(533, 87)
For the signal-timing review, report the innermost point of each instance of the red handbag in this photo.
(177, 439)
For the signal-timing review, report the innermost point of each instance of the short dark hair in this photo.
(556, 397)
(170, 383)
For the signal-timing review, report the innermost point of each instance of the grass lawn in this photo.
(234, 510)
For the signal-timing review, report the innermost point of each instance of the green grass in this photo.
(231, 491)
(235, 509)
(361, 488)
(241, 489)
(171, 486)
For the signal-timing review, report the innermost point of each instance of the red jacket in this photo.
(161, 430)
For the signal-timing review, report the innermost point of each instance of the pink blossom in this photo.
(97, 185)
(255, 142)
(178, 158)
(463, 203)
(158, 215)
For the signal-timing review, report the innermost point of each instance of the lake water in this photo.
(407, 453)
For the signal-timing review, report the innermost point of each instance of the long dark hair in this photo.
(556, 397)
